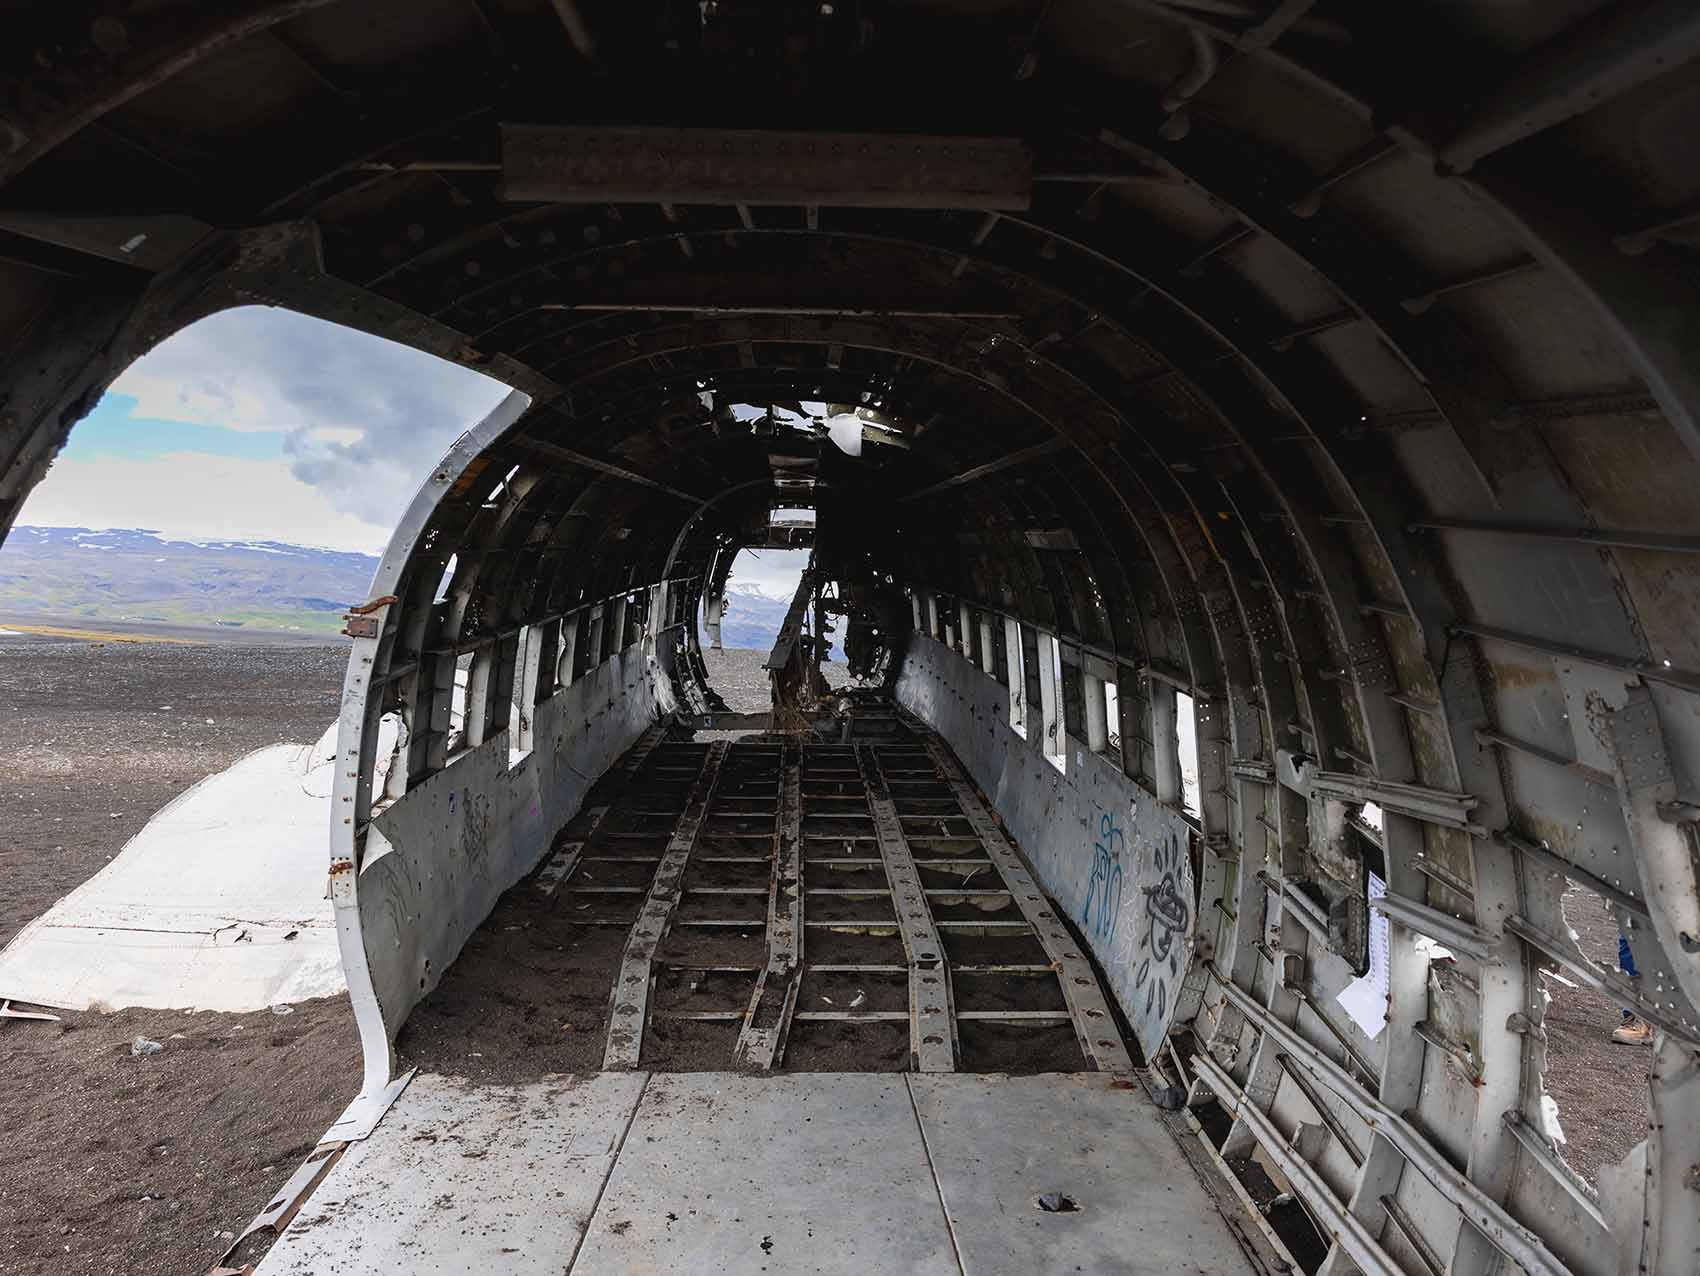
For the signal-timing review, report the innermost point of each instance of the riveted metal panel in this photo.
(746, 166)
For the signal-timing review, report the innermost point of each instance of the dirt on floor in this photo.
(740, 676)
(121, 1162)
(140, 1164)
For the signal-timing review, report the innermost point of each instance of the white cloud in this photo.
(364, 419)
(774, 572)
(196, 496)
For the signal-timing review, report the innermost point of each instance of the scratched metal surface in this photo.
(466, 1178)
(998, 1143)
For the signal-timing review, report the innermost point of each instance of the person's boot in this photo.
(1633, 1031)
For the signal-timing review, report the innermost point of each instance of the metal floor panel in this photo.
(997, 1143)
(460, 1177)
(733, 1174)
(763, 1174)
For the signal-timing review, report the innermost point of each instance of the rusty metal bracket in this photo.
(285, 1204)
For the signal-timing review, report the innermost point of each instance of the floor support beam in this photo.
(767, 1023)
(631, 994)
(1088, 1008)
(932, 1017)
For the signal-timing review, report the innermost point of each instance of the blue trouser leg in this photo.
(1626, 960)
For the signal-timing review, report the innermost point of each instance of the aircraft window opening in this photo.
(566, 672)
(1017, 665)
(523, 703)
(1186, 746)
(1051, 702)
(447, 581)
(454, 743)
(594, 643)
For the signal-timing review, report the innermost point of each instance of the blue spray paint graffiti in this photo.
(1104, 889)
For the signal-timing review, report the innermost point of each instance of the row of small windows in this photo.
(1059, 692)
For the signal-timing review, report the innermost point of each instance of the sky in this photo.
(775, 572)
(262, 424)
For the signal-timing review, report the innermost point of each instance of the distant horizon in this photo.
(180, 539)
(788, 569)
(78, 574)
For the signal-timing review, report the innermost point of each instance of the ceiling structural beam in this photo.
(1589, 64)
(1087, 161)
(578, 31)
(565, 164)
(1419, 303)
(1648, 670)
(1635, 242)
(1235, 234)
(153, 51)
(282, 264)
(584, 460)
(150, 243)
(427, 166)
(1285, 341)
(831, 310)
(1651, 312)
(1621, 402)
(1371, 152)
(1620, 539)
(990, 468)
(1282, 18)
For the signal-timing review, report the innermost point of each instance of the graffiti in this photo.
(1104, 889)
(476, 838)
(1167, 919)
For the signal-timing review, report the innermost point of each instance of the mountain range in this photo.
(132, 574)
(752, 618)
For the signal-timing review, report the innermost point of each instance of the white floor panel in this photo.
(722, 1173)
(466, 1178)
(998, 1143)
(832, 1174)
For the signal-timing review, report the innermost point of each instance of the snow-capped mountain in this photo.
(120, 574)
(752, 617)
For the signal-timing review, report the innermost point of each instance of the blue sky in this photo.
(114, 429)
(260, 423)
